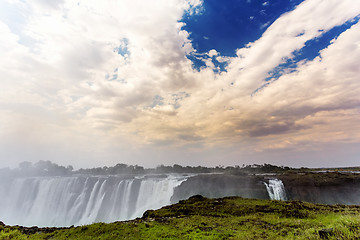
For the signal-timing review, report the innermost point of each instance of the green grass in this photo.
(225, 218)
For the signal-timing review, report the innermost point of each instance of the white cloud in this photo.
(64, 84)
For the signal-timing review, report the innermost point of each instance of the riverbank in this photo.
(222, 218)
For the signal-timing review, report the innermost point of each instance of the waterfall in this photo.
(276, 189)
(65, 201)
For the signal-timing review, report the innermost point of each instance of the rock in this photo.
(29, 230)
(196, 198)
(147, 214)
(326, 233)
(324, 188)
(221, 185)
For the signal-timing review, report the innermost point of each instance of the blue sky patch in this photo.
(310, 51)
(157, 101)
(122, 49)
(228, 25)
(220, 66)
(313, 47)
(197, 61)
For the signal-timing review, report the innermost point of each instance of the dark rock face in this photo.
(325, 188)
(221, 185)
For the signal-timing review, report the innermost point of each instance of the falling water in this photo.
(65, 201)
(276, 189)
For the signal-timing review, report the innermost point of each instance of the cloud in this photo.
(65, 82)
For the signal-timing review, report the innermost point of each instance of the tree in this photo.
(25, 165)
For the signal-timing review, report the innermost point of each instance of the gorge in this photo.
(84, 199)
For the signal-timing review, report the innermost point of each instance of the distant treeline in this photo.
(40, 168)
(48, 168)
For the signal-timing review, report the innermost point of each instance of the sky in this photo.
(190, 82)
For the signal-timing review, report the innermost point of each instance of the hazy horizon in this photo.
(188, 82)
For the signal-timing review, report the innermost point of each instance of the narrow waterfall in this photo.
(276, 189)
(65, 201)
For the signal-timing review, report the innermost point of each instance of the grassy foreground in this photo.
(225, 218)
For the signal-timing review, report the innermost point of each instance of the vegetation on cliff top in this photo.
(320, 179)
(48, 168)
(224, 218)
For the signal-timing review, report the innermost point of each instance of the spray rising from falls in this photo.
(276, 189)
(65, 201)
